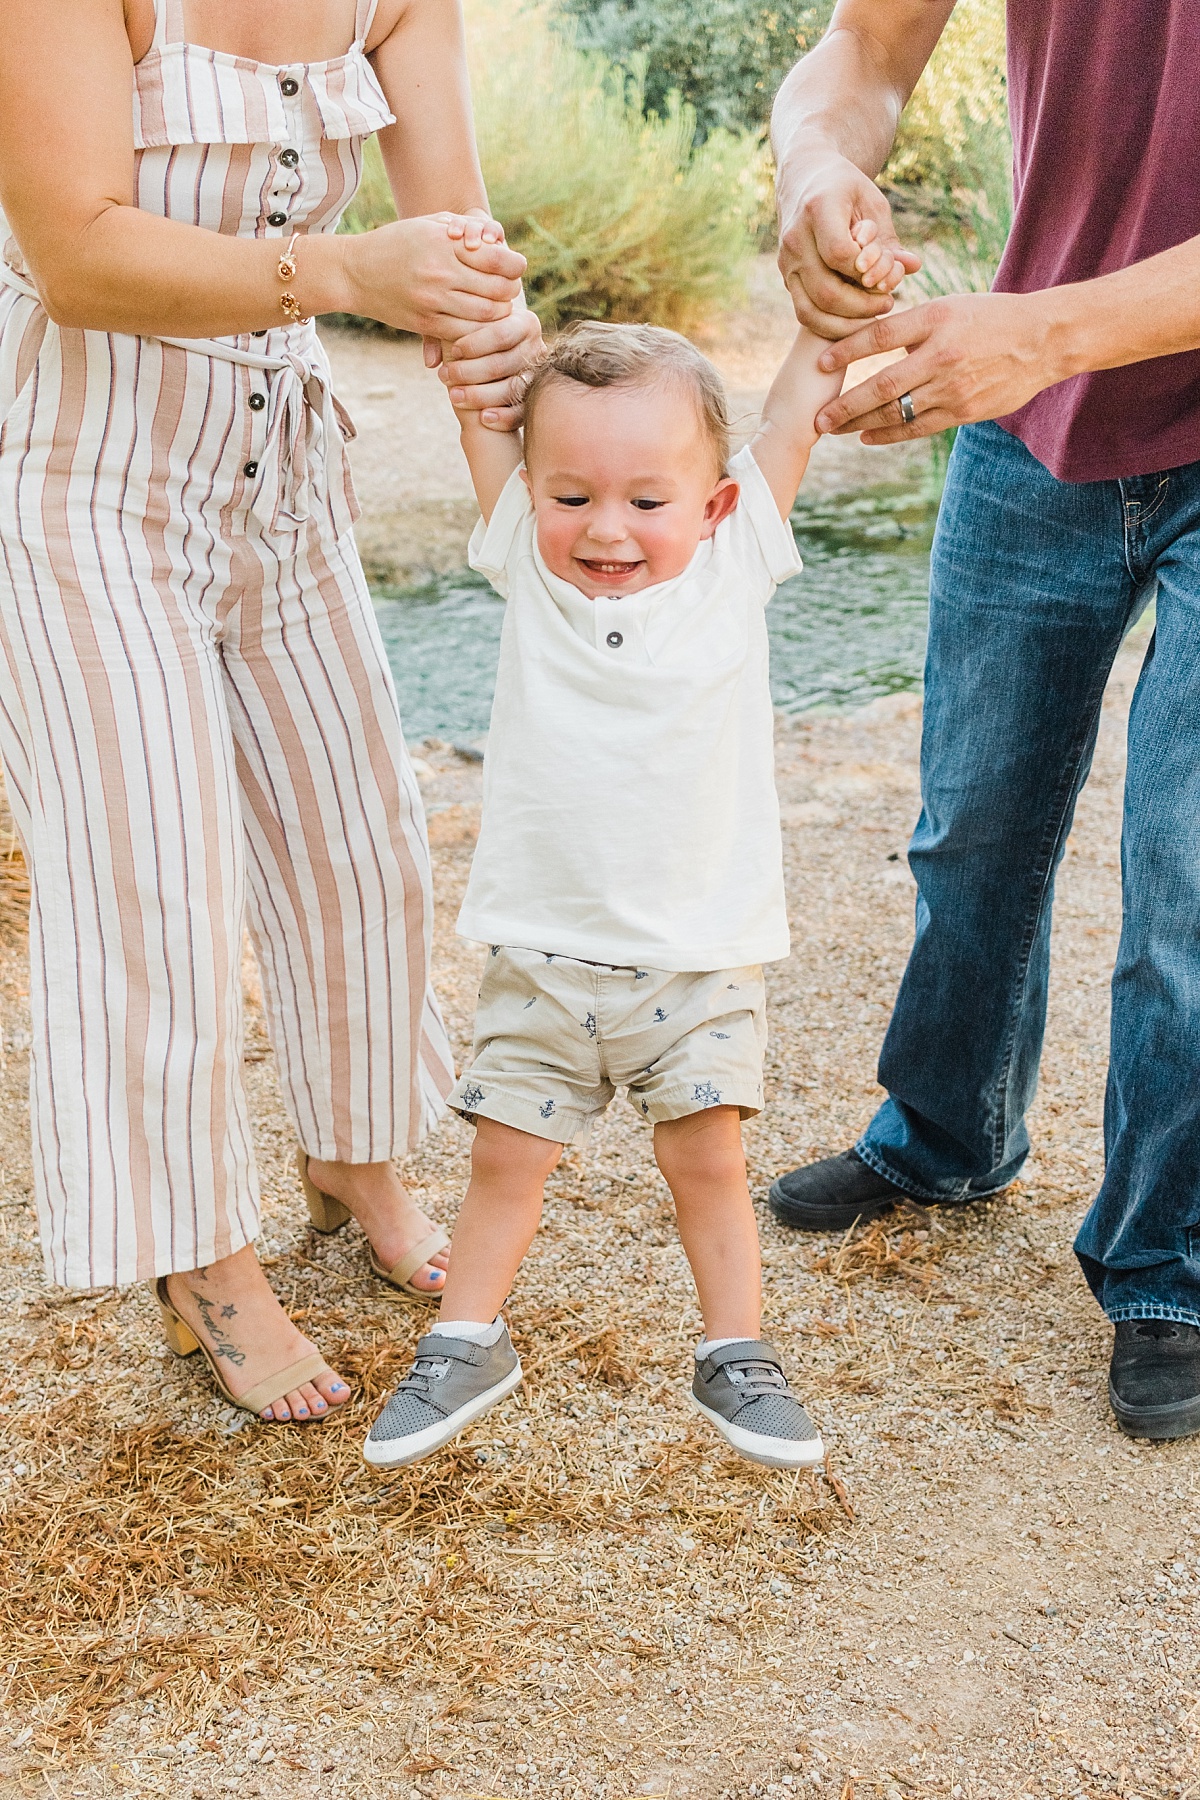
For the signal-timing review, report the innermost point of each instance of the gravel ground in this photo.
(988, 1593)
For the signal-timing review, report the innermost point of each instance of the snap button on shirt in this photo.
(250, 470)
(289, 158)
(277, 218)
(289, 87)
(257, 402)
(611, 622)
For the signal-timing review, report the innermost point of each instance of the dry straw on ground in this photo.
(988, 1594)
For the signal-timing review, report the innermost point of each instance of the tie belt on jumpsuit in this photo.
(306, 429)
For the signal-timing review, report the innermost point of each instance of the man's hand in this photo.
(838, 250)
(969, 356)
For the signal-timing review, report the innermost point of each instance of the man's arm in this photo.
(833, 126)
(980, 356)
(787, 432)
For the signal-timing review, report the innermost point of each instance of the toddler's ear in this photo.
(719, 505)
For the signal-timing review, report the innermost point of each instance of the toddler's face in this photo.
(624, 485)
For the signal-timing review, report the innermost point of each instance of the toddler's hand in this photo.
(878, 267)
(472, 230)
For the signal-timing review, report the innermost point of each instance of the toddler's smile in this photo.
(625, 484)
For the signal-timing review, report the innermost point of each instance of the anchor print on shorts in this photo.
(706, 1094)
(589, 1025)
(471, 1097)
(546, 1109)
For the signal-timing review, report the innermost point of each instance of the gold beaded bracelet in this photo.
(287, 272)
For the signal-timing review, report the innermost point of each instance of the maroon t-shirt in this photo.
(1105, 103)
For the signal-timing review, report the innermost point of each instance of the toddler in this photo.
(629, 875)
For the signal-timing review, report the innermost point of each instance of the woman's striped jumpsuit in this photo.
(197, 722)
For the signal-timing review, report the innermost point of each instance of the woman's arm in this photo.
(67, 190)
(429, 153)
(432, 162)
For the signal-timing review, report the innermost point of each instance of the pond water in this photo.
(848, 630)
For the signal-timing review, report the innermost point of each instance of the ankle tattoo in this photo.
(214, 1324)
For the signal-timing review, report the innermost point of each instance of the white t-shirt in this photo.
(629, 806)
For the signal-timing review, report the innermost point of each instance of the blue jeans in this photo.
(1034, 583)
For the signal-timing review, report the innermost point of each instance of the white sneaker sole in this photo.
(774, 1453)
(394, 1453)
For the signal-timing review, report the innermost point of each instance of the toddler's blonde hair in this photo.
(598, 355)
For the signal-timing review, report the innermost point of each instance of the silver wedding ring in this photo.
(908, 411)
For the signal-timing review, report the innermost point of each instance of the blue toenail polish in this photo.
(339, 1387)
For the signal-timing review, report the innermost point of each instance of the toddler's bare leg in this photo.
(704, 1166)
(498, 1219)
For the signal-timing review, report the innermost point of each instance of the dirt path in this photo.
(992, 1597)
(989, 1596)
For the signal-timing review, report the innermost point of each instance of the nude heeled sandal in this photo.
(328, 1215)
(184, 1342)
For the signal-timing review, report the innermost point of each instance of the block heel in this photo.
(179, 1339)
(327, 1214)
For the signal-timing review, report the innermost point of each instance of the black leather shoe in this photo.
(833, 1194)
(1154, 1378)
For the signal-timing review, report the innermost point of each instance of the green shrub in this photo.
(726, 58)
(620, 215)
(962, 88)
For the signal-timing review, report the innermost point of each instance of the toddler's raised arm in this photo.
(786, 434)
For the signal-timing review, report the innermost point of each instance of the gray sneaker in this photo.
(451, 1384)
(742, 1390)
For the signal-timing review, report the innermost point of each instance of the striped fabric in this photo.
(197, 722)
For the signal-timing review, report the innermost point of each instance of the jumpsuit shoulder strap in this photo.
(364, 18)
(168, 23)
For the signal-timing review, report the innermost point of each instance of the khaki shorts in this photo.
(555, 1038)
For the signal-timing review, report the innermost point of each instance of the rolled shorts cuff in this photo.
(564, 1125)
(681, 1102)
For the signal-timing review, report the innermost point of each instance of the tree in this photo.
(726, 58)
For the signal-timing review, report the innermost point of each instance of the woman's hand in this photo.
(415, 277)
(969, 356)
(482, 370)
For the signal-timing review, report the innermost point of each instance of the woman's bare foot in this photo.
(383, 1207)
(231, 1307)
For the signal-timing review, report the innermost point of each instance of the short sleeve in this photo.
(497, 547)
(755, 535)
